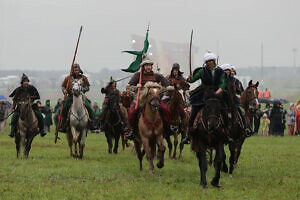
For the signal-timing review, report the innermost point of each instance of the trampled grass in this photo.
(269, 168)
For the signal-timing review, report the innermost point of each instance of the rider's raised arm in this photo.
(196, 76)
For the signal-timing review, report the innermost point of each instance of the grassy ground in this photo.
(268, 169)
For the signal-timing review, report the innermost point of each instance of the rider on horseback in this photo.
(110, 89)
(25, 88)
(67, 89)
(147, 75)
(212, 77)
(177, 80)
(230, 71)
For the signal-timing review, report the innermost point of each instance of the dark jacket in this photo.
(23, 91)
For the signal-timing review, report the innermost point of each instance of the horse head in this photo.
(250, 95)
(76, 87)
(113, 102)
(211, 113)
(24, 105)
(151, 95)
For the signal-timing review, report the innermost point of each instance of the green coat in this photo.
(48, 115)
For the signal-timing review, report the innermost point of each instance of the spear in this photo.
(190, 54)
(68, 83)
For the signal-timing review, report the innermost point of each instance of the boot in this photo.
(13, 131)
(62, 127)
(42, 132)
(187, 139)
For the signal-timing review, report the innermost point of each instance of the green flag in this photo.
(135, 65)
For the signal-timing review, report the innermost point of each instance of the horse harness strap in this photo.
(150, 124)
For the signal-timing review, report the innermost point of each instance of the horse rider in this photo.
(237, 100)
(212, 77)
(177, 80)
(127, 97)
(147, 75)
(24, 89)
(77, 74)
(110, 89)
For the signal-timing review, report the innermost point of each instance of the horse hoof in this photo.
(215, 183)
(115, 151)
(25, 156)
(109, 151)
(204, 185)
(160, 165)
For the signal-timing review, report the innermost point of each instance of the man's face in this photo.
(25, 83)
(128, 88)
(211, 64)
(148, 68)
(175, 72)
(227, 71)
(233, 73)
(76, 72)
(114, 84)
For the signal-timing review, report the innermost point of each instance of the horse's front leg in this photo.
(109, 141)
(18, 143)
(140, 155)
(70, 142)
(149, 155)
(161, 151)
(217, 163)
(117, 138)
(168, 139)
(82, 142)
(175, 145)
(74, 135)
(28, 146)
(202, 162)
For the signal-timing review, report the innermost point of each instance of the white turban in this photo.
(209, 56)
(226, 67)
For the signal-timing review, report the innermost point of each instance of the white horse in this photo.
(78, 120)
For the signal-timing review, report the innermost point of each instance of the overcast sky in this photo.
(41, 34)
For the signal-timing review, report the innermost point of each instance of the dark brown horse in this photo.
(28, 126)
(249, 100)
(209, 133)
(175, 125)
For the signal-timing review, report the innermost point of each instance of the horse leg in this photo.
(140, 155)
(210, 152)
(117, 138)
(82, 142)
(175, 145)
(231, 158)
(238, 152)
(181, 148)
(224, 166)
(202, 162)
(161, 151)
(217, 163)
(169, 145)
(109, 141)
(18, 143)
(149, 156)
(123, 141)
(70, 142)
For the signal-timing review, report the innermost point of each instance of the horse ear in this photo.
(257, 83)
(250, 83)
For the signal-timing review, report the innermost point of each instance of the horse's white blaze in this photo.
(155, 90)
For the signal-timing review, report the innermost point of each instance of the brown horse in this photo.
(150, 127)
(249, 100)
(175, 124)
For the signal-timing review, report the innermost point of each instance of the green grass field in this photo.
(269, 168)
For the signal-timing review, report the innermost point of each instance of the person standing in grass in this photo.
(291, 119)
(47, 110)
(297, 120)
(265, 125)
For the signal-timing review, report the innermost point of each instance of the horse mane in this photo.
(144, 92)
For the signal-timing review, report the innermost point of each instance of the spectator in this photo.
(267, 93)
(47, 111)
(298, 120)
(291, 118)
(277, 120)
(97, 112)
(57, 110)
(265, 124)
(256, 119)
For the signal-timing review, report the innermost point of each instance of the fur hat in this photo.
(77, 66)
(176, 66)
(209, 56)
(145, 61)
